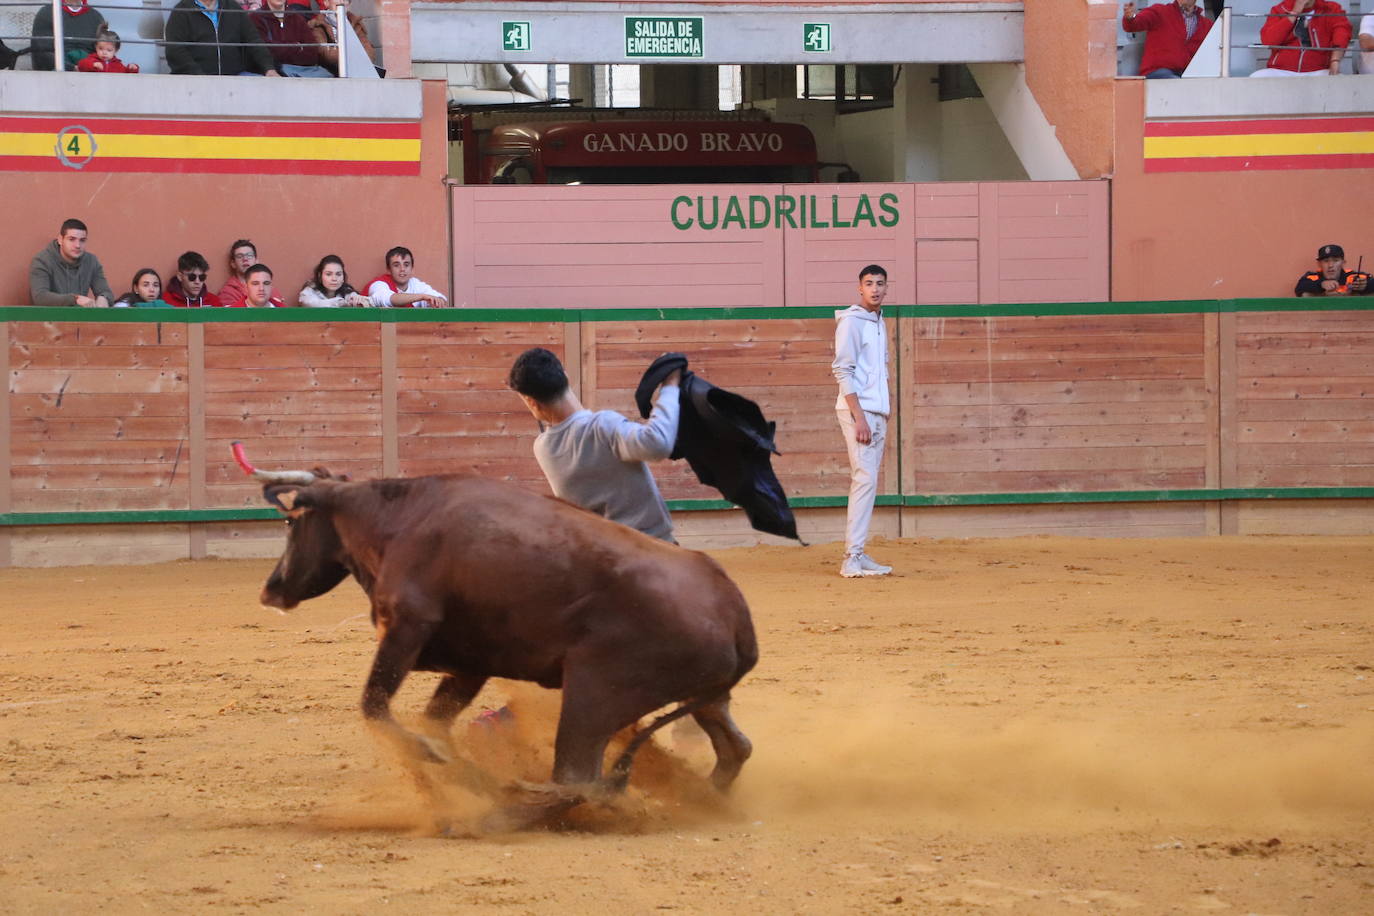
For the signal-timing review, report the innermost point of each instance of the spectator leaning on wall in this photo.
(65, 273)
(215, 37)
(80, 23)
(1310, 37)
(1173, 33)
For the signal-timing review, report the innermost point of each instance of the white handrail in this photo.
(59, 38)
(340, 23)
(1225, 42)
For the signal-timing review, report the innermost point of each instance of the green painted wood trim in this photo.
(154, 516)
(1231, 494)
(565, 316)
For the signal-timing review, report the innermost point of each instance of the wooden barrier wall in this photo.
(1112, 419)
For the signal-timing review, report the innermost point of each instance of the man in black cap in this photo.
(1331, 278)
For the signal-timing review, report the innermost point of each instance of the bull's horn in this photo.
(302, 477)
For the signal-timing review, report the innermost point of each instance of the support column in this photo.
(1023, 122)
(685, 86)
(916, 106)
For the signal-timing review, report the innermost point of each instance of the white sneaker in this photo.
(862, 565)
(872, 567)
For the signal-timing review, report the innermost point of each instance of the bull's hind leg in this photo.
(396, 655)
(731, 746)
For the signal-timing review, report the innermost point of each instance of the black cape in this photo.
(727, 442)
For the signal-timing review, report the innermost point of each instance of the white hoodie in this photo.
(860, 364)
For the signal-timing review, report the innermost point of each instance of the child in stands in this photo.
(103, 59)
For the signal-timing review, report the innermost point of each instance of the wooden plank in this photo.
(97, 451)
(1018, 347)
(1305, 517)
(83, 545)
(1102, 436)
(260, 426)
(1031, 370)
(1058, 326)
(389, 346)
(1072, 414)
(743, 330)
(195, 416)
(1307, 409)
(1313, 365)
(446, 378)
(42, 429)
(52, 478)
(1303, 322)
(60, 382)
(240, 404)
(1294, 389)
(334, 356)
(141, 356)
(1064, 459)
(88, 405)
(1316, 454)
(967, 481)
(532, 334)
(26, 334)
(492, 423)
(291, 379)
(79, 497)
(273, 334)
(1314, 342)
(499, 356)
(1304, 475)
(1307, 432)
(410, 402)
(1062, 392)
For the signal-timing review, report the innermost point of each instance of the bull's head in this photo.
(313, 562)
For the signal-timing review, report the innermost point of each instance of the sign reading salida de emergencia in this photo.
(797, 211)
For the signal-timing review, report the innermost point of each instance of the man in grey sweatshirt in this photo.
(596, 460)
(65, 273)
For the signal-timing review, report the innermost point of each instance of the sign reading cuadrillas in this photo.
(798, 211)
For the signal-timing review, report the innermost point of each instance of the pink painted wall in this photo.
(617, 247)
(1070, 68)
(1241, 234)
(141, 219)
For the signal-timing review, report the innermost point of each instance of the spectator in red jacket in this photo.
(103, 59)
(1310, 38)
(283, 30)
(1173, 33)
(243, 254)
(187, 289)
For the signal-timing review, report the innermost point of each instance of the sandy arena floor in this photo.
(1037, 725)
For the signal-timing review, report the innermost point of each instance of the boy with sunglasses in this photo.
(187, 288)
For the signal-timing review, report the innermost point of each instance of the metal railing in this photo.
(1225, 24)
(339, 15)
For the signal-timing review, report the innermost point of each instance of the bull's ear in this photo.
(291, 498)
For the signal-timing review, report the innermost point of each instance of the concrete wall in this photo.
(1070, 66)
(147, 218)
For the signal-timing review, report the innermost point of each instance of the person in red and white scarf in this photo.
(399, 288)
(80, 23)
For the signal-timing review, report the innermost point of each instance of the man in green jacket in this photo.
(65, 273)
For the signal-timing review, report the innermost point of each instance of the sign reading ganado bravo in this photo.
(663, 36)
(798, 211)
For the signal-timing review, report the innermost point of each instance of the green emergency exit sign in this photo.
(816, 37)
(664, 36)
(515, 36)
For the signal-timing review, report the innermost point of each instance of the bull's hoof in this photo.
(532, 805)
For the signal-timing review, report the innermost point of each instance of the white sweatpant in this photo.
(864, 461)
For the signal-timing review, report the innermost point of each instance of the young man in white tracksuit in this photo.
(863, 406)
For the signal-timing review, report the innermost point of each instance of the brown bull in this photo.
(474, 578)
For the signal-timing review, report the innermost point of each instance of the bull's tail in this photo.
(747, 655)
(620, 771)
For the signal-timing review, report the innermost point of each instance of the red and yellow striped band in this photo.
(1240, 145)
(234, 147)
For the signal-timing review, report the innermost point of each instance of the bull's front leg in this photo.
(400, 646)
